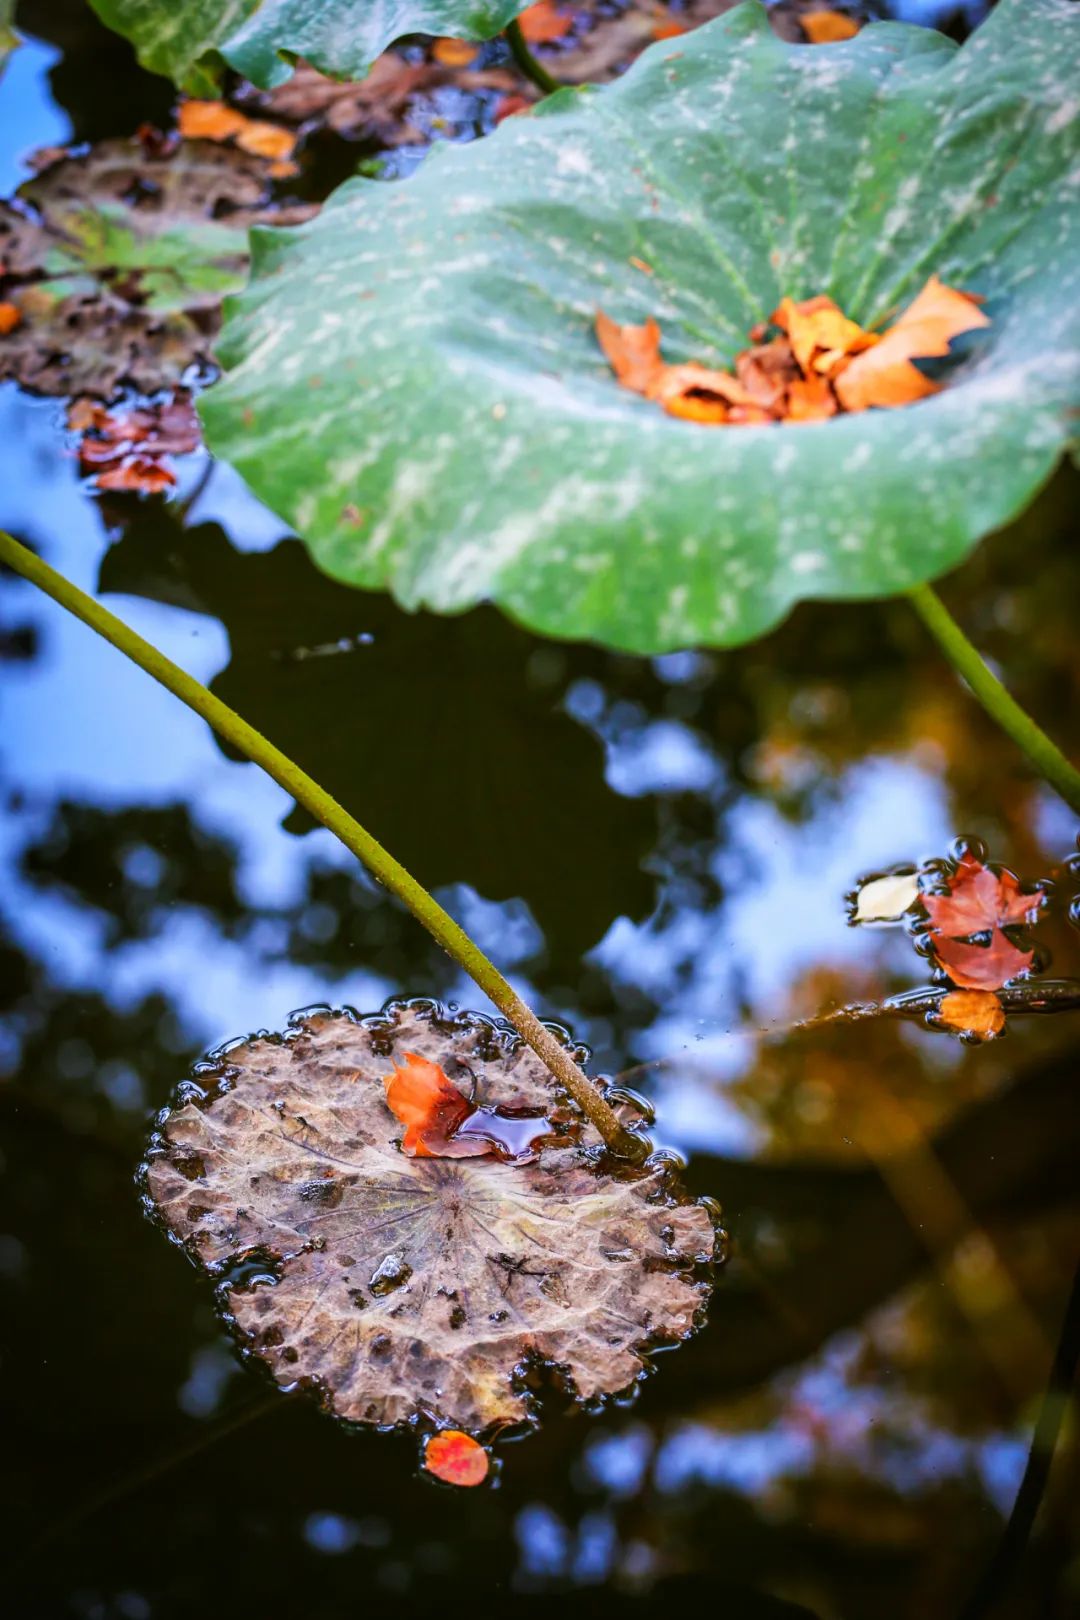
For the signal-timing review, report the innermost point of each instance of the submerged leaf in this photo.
(400, 1287)
(611, 521)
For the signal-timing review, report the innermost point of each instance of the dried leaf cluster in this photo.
(819, 362)
(132, 449)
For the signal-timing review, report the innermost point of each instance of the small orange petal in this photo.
(544, 21)
(456, 1458)
(828, 27)
(454, 52)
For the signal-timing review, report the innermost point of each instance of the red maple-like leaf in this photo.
(980, 901)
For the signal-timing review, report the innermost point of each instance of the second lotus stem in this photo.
(526, 61)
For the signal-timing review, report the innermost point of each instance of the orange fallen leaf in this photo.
(633, 352)
(10, 317)
(440, 1123)
(973, 1012)
(214, 121)
(456, 1458)
(454, 52)
(884, 375)
(828, 27)
(818, 324)
(431, 1108)
(694, 393)
(766, 370)
(810, 399)
(543, 22)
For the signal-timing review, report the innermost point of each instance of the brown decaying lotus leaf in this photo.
(421, 1289)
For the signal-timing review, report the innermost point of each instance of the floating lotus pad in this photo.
(190, 40)
(118, 257)
(414, 381)
(421, 1289)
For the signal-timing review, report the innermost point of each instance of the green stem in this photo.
(390, 873)
(1047, 758)
(526, 61)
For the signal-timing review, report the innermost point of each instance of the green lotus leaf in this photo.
(190, 40)
(413, 380)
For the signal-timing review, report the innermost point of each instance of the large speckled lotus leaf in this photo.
(420, 1289)
(118, 259)
(190, 40)
(413, 380)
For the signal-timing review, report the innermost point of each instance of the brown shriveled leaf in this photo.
(420, 1288)
(977, 1013)
(884, 375)
(817, 326)
(695, 393)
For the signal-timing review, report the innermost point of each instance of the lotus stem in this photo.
(526, 61)
(379, 862)
(999, 704)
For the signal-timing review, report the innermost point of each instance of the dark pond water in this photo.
(658, 852)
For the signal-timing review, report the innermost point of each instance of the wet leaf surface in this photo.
(608, 520)
(117, 260)
(421, 1289)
